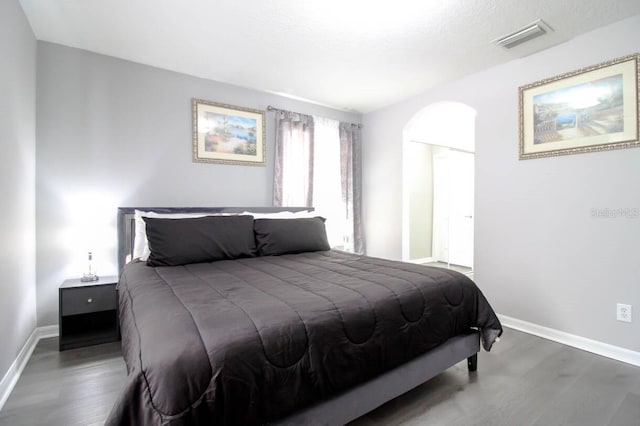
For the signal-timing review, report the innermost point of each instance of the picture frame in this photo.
(587, 110)
(227, 134)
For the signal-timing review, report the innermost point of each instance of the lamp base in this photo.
(88, 278)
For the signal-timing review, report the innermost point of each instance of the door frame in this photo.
(429, 125)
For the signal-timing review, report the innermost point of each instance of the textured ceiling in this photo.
(355, 55)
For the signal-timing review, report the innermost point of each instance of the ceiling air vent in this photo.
(529, 32)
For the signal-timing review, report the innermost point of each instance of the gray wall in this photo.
(17, 182)
(115, 133)
(539, 254)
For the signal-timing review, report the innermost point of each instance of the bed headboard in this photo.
(126, 222)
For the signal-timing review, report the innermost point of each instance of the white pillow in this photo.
(282, 215)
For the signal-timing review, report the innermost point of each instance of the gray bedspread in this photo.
(252, 340)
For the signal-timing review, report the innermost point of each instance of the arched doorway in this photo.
(438, 186)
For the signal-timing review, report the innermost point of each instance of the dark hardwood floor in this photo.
(74, 387)
(525, 380)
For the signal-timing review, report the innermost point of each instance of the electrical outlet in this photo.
(623, 312)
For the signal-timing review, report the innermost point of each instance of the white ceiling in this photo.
(355, 55)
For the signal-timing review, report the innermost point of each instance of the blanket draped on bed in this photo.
(252, 340)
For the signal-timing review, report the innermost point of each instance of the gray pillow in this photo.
(175, 242)
(282, 236)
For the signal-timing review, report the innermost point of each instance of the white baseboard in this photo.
(13, 374)
(593, 346)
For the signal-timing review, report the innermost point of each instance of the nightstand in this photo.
(88, 312)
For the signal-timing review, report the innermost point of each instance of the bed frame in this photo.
(363, 398)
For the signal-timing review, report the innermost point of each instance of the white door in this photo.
(461, 186)
(453, 191)
(440, 248)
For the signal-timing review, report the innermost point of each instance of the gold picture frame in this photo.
(588, 110)
(227, 134)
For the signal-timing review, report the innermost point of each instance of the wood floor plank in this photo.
(76, 387)
(594, 397)
(628, 413)
(524, 380)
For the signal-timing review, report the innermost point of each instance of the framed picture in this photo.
(592, 109)
(227, 134)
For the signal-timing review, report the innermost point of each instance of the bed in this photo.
(278, 329)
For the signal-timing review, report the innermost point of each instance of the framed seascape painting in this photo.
(592, 109)
(227, 134)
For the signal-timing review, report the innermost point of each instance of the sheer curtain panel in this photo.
(293, 169)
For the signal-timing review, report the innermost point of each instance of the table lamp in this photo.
(89, 276)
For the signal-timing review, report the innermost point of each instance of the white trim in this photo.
(593, 346)
(13, 374)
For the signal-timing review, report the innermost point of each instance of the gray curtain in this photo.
(293, 169)
(351, 177)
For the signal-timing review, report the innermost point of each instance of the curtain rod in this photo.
(272, 108)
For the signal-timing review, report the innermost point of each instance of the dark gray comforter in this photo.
(252, 340)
